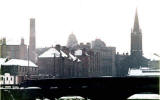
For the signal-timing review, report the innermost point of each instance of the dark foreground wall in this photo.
(111, 88)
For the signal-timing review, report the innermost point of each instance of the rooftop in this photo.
(19, 62)
(52, 52)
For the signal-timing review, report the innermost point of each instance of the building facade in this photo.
(58, 62)
(136, 58)
(107, 57)
(21, 69)
(18, 51)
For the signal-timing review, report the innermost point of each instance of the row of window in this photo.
(2, 78)
(25, 69)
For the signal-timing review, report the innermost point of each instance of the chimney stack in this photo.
(32, 41)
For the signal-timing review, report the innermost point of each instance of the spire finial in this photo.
(136, 22)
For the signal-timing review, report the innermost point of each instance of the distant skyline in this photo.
(108, 20)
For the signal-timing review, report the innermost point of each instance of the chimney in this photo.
(32, 41)
(81, 44)
(4, 41)
(127, 53)
(58, 47)
(65, 50)
(72, 52)
(22, 41)
(88, 45)
(83, 51)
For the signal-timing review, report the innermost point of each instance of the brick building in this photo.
(107, 57)
(12, 51)
(19, 68)
(58, 62)
(90, 62)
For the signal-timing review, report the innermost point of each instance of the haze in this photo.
(109, 20)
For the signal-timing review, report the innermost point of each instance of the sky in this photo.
(108, 20)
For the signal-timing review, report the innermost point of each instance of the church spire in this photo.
(136, 38)
(136, 23)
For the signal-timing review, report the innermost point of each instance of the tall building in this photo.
(32, 41)
(136, 59)
(136, 38)
(13, 51)
(107, 57)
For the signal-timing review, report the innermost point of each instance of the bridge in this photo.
(95, 88)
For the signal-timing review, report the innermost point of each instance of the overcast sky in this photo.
(109, 20)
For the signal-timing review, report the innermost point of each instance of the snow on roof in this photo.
(135, 72)
(19, 62)
(73, 57)
(139, 72)
(10, 41)
(153, 56)
(78, 52)
(144, 68)
(2, 60)
(144, 96)
(51, 52)
(63, 54)
(71, 97)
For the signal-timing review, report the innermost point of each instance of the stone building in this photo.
(120, 69)
(107, 57)
(136, 58)
(94, 64)
(136, 38)
(61, 62)
(90, 60)
(12, 51)
(58, 62)
(73, 64)
(19, 68)
(84, 57)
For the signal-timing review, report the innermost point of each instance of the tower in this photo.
(32, 41)
(136, 38)
(22, 50)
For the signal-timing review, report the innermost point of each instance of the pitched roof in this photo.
(19, 62)
(2, 61)
(73, 57)
(144, 97)
(52, 52)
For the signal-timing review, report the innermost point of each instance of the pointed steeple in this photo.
(136, 27)
(136, 38)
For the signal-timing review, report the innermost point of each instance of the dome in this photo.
(98, 43)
